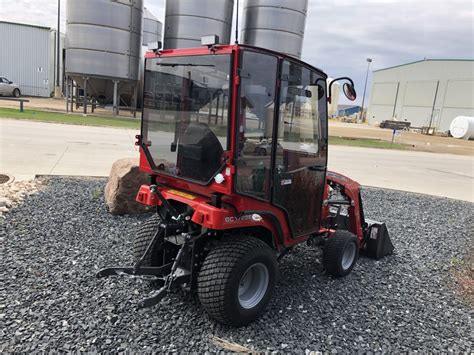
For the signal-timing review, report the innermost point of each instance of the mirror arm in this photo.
(337, 79)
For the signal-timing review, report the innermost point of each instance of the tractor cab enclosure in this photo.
(244, 123)
(235, 141)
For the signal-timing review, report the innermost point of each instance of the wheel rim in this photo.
(253, 285)
(348, 256)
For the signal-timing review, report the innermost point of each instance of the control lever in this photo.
(320, 168)
(154, 189)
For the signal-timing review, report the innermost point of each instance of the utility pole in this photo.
(237, 24)
(369, 60)
(57, 89)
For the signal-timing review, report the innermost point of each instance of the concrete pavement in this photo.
(444, 175)
(33, 148)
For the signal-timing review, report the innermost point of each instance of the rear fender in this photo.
(260, 232)
(209, 216)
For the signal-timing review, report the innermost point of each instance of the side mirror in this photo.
(10, 82)
(349, 91)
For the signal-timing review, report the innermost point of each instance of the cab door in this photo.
(258, 75)
(301, 147)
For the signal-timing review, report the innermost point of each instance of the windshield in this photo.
(185, 114)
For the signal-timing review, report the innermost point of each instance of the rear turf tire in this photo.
(340, 253)
(145, 234)
(16, 93)
(237, 279)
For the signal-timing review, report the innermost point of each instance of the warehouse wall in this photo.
(430, 90)
(25, 58)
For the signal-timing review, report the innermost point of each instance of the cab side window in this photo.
(255, 137)
(301, 110)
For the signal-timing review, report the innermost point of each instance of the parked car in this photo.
(8, 88)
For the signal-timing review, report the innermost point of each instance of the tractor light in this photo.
(155, 46)
(210, 40)
(257, 218)
(219, 178)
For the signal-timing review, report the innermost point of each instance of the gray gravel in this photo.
(54, 242)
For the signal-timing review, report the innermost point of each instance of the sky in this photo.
(340, 34)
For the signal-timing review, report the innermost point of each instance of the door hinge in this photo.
(138, 141)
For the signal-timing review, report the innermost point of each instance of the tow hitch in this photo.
(170, 275)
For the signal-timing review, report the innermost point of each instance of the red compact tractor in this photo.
(235, 139)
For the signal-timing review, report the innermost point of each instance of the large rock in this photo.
(124, 181)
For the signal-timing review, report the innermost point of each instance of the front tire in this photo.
(340, 253)
(237, 280)
(16, 93)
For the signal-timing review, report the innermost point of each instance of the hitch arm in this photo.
(148, 249)
(171, 280)
(155, 299)
(131, 271)
(162, 292)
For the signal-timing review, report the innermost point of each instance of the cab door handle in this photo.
(320, 168)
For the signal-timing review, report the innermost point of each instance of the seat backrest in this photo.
(200, 152)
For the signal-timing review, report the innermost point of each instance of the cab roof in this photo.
(224, 49)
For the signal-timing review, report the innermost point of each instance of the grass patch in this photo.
(99, 121)
(91, 120)
(96, 194)
(367, 143)
(57, 117)
(462, 271)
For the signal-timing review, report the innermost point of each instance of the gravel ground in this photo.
(13, 193)
(54, 242)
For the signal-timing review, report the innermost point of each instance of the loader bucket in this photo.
(377, 241)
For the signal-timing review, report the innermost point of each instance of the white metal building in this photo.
(427, 93)
(28, 57)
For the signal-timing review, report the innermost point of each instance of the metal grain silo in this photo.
(152, 28)
(186, 21)
(275, 24)
(152, 32)
(103, 45)
(334, 104)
